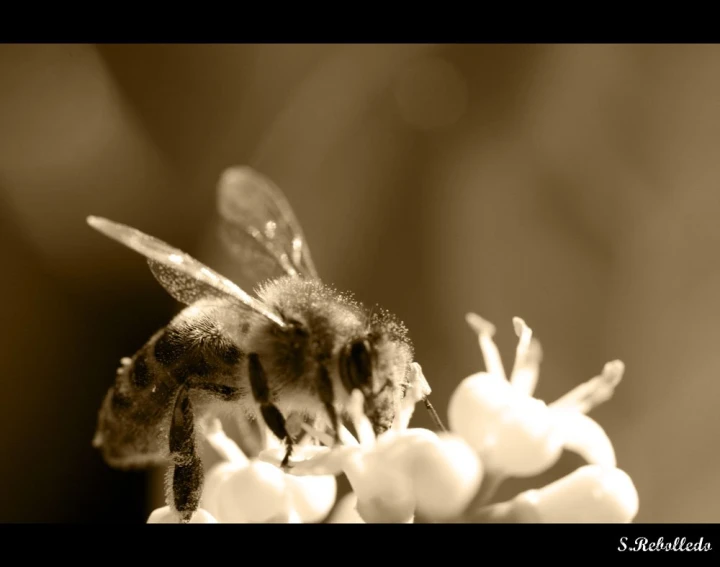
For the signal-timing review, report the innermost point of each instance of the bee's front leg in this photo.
(327, 396)
(187, 471)
(271, 414)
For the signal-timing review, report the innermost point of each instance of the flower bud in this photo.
(387, 509)
(525, 442)
(382, 477)
(396, 446)
(446, 473)
(312, 497)
(590, 494)
(384, 493)
(513, 433)
(214, 480)
(165, 515)
(475, 402)
(256, 493)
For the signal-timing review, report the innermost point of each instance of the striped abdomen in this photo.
(135, 415)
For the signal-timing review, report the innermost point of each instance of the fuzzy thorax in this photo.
(323, 326)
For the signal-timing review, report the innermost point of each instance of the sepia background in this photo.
(576, 186)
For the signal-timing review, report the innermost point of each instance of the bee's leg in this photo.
(187, 473)
(327, 397)
(271, 414)
(221, 391)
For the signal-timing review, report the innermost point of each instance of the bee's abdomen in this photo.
(135, 416)
(132, 416)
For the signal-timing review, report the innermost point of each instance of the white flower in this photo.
(345, 511)
(447, 474)
(255, 491)
(372, 465)
(499, 430)
(590, 494)
(400, 471)
(242, 490)
(515, 434)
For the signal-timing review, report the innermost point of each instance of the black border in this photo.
(370, 543)
(302, 23)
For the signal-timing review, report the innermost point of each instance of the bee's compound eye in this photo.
(356, 365)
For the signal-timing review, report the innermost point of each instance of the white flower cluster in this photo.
(498, 430)
(242, 490)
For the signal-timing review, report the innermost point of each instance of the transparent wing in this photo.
(186, 279)
(258, 227)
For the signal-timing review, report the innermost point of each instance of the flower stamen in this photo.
(347, 438)
(363, 427)
(226, 447)
(595, 391)
(491, 354)
(524, 333)
(528, 356)
(325, 438)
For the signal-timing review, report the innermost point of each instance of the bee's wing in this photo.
(186, 279)
(259, 228)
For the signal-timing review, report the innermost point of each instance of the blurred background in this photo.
(573, 186)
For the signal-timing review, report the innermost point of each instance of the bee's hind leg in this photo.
(187, 475)
(271, 414)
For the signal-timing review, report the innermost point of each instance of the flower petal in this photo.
(446, 473)
(310, 460)
(271, 442)
(363, 427)
(347, 438)
(476, 404)
(396, 508)
(226, 447)
(312, 496)
(214, 479)
(384, 495)
(525, 441)
(257, 493)
(293, 518)
(394, 445)
(590, 494)
(584, 436)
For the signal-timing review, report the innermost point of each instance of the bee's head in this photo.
(378, 364)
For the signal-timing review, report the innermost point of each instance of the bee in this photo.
(296, 347)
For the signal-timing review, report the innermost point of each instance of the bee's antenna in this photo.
(434, 414)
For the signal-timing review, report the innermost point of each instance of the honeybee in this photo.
(297, 347)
